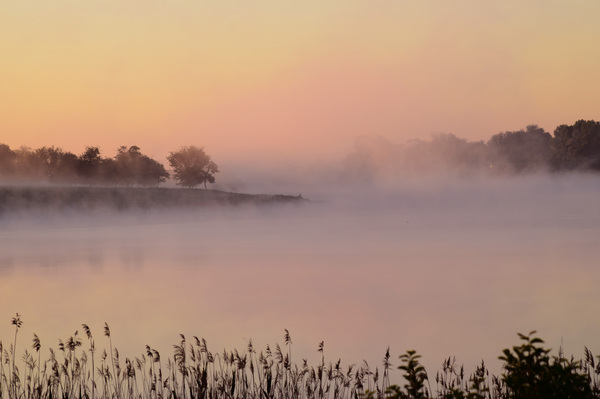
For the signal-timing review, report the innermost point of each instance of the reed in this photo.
(194, 372)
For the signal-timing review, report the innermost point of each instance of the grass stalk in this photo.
(194, 373)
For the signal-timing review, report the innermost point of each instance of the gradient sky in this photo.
(290, 80)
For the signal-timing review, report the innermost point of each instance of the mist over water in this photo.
(447, 266)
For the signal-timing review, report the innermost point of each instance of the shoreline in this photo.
(87, 198)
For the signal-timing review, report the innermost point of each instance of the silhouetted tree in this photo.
(50, 159)
(107, 172)
(7, 161)
(127, 165)
(54, 165)
(192, 166)
(88, 166)
(152, 172)
(29, 165)
(577, 146)
(66, 171)
(135, 168)
(520, 151)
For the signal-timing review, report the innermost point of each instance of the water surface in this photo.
(451, 267)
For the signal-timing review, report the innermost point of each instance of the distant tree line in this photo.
(129, 167)
(572, 148)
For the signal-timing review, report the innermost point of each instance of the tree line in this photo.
(571, 148)
(129, 167)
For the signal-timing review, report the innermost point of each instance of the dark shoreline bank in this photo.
(87, 198)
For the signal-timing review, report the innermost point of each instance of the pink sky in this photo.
(299, 80)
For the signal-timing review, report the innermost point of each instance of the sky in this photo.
(290, 81)
(286, 81)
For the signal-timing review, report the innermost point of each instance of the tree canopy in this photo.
(192, 166)
(572, 148)
(523, 150)
(54, 165)
(134, 168)
(577, 146)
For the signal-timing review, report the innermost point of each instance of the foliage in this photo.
(415, 376)
(54, 165)
(572, 148)
(7, 160)
(523, 150)
(577, 146)
(74, 371)
(135, 168)
(192, 166)
(531, 373)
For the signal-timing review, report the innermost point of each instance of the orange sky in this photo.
(290, 80)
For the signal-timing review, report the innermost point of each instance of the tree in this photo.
(51, 160)
(88, 166)
(152, 172)
(66, 172)
(29, 165)
(520, 151)
(7, 161)
(192, 166)
(135, 168)
(577, 146)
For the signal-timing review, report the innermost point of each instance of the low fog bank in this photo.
(477, 200)
(377, 163)
(357, 185)
(427, 208)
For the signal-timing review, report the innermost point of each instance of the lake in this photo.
(448, 267)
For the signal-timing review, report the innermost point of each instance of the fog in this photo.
(449, 266)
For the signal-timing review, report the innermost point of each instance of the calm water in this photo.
(446, 268)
